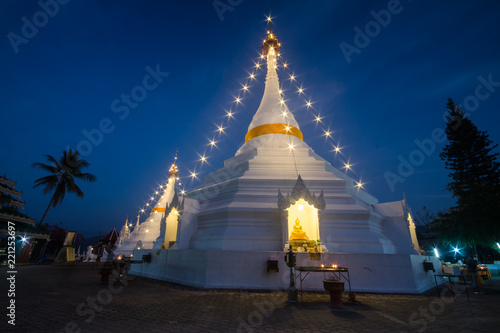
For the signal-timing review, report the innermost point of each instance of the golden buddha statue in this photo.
(298, 233)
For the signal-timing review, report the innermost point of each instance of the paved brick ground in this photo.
(60, 298)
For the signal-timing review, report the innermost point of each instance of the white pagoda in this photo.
(276, 193)
(159, 230)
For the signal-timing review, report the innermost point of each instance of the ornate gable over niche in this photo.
(300, 191)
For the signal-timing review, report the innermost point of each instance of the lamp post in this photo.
(290, 259)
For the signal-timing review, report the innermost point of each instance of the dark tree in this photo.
(475, 174)
(62, 177)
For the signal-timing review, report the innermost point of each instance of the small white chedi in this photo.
(276, 192)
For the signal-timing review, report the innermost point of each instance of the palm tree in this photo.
(62, 176)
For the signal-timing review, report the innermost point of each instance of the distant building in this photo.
(29, 241)
(106, 244)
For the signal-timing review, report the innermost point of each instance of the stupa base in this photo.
(384, 273)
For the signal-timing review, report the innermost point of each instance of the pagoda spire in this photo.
(273, 115)
(137, 223)
(168, 189)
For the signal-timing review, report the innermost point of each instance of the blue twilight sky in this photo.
(68, 76)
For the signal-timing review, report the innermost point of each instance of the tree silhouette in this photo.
(475, 174)
(62, 177)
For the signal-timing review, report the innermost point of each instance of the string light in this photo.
(230, 114)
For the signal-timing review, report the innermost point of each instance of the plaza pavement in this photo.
(69, 298)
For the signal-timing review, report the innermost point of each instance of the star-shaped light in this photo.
(318, 119)
(292, 77)
(212, 143)
(229, 114)
(237, 100)
(203, 159)
(245, 87)
(285, 65)
(347, 166)
(183, 192)
(284, 114)
(193, 175)
(152, 198)
(147, 204)
(156, 192)
(287, 128)
(328, 134)
(282, 102)
(257, 65)
(280, 91)
(301, 91)
(142, 210)
(291, 146)
(220, 129)
(336, 149)
(309, 104)
(269, 19)
(359, 184)
(252, 76)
